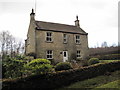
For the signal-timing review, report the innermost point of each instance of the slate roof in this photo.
(49, 26)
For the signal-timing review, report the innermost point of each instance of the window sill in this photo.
(78, 43)
(64, 42)
(49, 41)
(78, 57)
(50, 58)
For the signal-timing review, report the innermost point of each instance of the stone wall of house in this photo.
(57, 46)
(30, 41)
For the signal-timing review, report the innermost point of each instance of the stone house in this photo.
(54, 41)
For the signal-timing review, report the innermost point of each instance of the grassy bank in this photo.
(64, 78)
(114, 84)
(97, 81)
(107, 61)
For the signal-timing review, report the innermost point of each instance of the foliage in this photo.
(96, 81)
(107, 61)
(63, 66)
(20, 57)
(104, 51)
(114, 84)
(93, 61)
(39, 66)
(32, 54)
(63, 78)
(107, 56)
(12, 67)
(73, 56)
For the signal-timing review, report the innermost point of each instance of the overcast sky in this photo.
(99, 18)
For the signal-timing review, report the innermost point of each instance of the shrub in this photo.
(93, 61)
(12, 67)
(32, 54)
(39, 66)
(61, 79)
(63, 66)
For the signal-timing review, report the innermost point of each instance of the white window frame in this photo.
(49, 54)
(64, 38)
(78, 54)
(50, 37)
(77, 40)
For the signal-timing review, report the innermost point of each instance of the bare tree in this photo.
(10, 45)
(4, 42)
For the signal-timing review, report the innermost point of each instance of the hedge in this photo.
(107, 57)
(62, 78)
(93, 61)
(63, 66)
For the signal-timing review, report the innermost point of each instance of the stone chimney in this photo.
(77, 22)
(32, 15)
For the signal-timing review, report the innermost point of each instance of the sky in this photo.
(99, 18)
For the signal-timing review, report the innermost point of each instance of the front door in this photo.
(65, 56)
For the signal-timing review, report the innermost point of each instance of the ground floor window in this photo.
(78, 53)
(49, 54)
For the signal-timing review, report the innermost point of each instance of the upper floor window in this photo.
(49, 54)
(49, 36)
(64, 38)
(78, 53)
(77, 39)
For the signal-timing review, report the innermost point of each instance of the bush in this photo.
(93, 61)
(39, 66)
(12, 68)
(63, 66)
(61, 79)
(32, 54)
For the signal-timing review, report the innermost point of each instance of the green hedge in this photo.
(63, 66)
(62, 78)
(39, 66)
(93, 61)
(108, 57)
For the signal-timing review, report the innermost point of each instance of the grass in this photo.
(107, 61)
(95, 82)
(114, 84)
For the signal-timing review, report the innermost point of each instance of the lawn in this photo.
(107, 61)
(97, 81)
(114, 84)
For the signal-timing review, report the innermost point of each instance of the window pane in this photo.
(49, 34)
(64, 54)
(65, 35)
(64, 38)
(49, 54)
(78, 54)
(50, 51)
(50, 39)
(47, 39)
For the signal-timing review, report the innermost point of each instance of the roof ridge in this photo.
(55, 23)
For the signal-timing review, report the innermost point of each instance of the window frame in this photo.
(78, 54)
(49, 36)
(64, 38)
(77, 40)
(49, 54)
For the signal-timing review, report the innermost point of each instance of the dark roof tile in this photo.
(41, 25)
